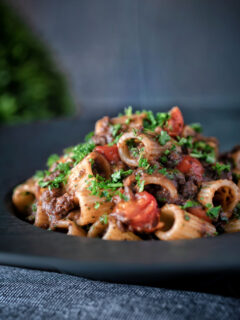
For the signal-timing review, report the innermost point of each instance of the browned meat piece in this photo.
(56, 204)
(189, 190)
(173, 159)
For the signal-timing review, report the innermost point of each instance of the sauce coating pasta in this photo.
(138, 176)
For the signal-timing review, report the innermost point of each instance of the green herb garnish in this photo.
(89, 136)
(190, 204)
(82, 150)
(213, 212)
(196, 127)
(104, 219)
(120, 174)
(220, 167)
(140, 183)
(52, 159)
(163, 138)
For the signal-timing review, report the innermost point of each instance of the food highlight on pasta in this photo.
(139, 176)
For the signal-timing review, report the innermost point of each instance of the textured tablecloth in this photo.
(31, 294)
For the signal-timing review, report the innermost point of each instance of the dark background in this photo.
(154, 53)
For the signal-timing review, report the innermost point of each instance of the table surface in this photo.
(32, 294)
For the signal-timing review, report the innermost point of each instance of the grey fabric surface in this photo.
(31, 294)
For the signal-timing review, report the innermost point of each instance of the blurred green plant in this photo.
(31, 87)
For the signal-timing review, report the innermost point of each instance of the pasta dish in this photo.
(138, 176)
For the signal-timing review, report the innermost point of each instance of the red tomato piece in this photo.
(140, 214)
(200, 213)
(175, 123)
(110, 152)
(191, 166)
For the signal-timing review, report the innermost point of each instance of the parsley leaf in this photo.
(115, 129)
(186, 142)
(97, 205)
(143, 163)
(190, 204)
(128, 111)
(163, 138)
(196, 127)
(204, 151)
(140, 183)
(186, 217)
(213, 212)
(104, 219)
(152, 122)
(165, 173)
(89, 136)
(120, 174)
(39, 174)
(220, 167)
(82, 150)
(52, 159)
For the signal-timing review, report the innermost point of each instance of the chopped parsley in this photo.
(143, 163)
(120, 174)
(204, 151)
(89, 136)
(151, 169)
(82, 150)
(186, 142)
(196, 127)
(163, 138)
(68, 150)
(103, 188)
(134, 131)
(133, 149)
(97, 205)
(220, 167)
(104, 219)
(186, 217)
(64, 169)
(128, 111)
(115, 129)
(163, 159)
(213, 212)
(34, 207)
(152, 122)
(140, 183)
(91, 161)
(190, 204)
(39, 174)
(52, 159)
(115, 141)
(165, 173)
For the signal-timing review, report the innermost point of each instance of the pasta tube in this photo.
(179, 224)
(71, 227)
(24, 195)
(219, 192)
(114, 233)
(232, 226)
(151, 149)
(89, 211)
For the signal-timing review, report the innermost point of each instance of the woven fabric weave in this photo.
(31, 294)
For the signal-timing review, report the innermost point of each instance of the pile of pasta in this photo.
(138, 176)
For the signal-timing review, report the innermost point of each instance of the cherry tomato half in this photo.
(192, 166)
(140, 214)
(200, 213)
(110, 152)
(175, 123)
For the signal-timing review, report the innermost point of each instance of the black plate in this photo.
(203, 264)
